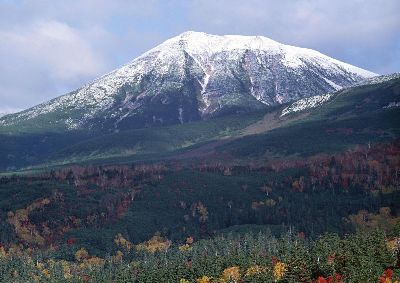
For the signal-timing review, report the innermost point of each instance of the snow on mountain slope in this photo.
(193, 76)
(306, 103)
(379, 79)
(317, 100)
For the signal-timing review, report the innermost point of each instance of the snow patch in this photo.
(379, 79)
(71, 124)
(306, 103)
(392, 105)
(180, 116)
(332, 84)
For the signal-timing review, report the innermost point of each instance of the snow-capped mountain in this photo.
(193, 76)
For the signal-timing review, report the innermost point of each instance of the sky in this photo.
(51, 47)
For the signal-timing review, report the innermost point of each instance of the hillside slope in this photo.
(337, 121)
(361, 114)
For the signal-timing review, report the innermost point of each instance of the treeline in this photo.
(358, 258)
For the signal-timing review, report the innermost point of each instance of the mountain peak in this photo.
(197, 40)
(202, 35)
(200, 43)
(192, 33)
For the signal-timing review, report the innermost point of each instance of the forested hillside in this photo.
(139, 222)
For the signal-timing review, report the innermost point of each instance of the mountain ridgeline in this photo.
(191, 77)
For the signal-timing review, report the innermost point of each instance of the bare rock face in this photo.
(195, 76)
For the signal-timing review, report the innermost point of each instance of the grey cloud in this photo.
(44, 57)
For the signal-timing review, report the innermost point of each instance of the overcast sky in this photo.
(50, 47)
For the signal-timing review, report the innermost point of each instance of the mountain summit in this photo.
(190, 77)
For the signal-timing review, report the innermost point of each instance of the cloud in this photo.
(56, 47)
(44, 56)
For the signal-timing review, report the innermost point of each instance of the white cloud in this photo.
(44, 59)
(54, 46)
